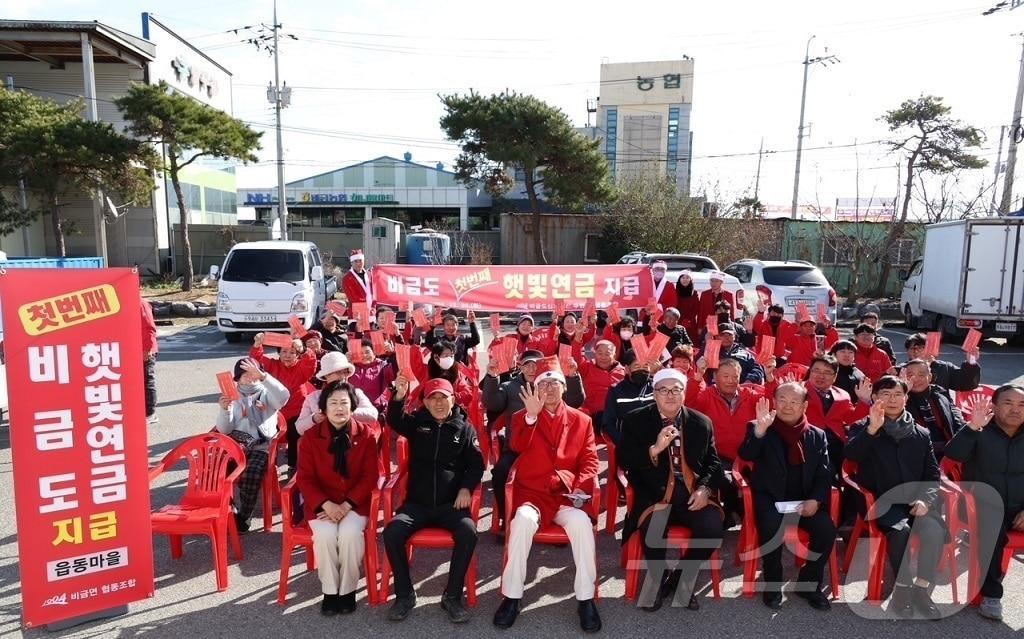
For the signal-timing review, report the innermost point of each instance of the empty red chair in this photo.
(205, 508)
(552, 534)
(439, 538)
(794, 537)
(877, 553)
(300, 535)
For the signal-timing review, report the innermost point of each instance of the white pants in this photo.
(339, 549)
(523, 527)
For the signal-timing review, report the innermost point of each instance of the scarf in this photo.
(793, 437)
(338, 446)
(901, 427)
(253, 406)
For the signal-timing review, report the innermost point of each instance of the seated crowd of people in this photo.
(678, 399)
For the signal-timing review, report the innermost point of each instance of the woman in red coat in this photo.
(713, 296)
(294, 367)
(339, 471)
(688, 304)
(555, 473)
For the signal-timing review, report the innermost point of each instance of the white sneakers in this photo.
(991, 608)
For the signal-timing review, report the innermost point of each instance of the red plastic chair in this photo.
(293, 537)
(878, 542)
(437, 538)
(616, 482)
(552, 534)
(272, 479)
(794, 537)
(965, 400)
(967, 521)
(495, 445)
(205, 508)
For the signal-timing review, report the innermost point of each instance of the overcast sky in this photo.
(367, 74)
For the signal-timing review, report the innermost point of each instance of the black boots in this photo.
(507, 612)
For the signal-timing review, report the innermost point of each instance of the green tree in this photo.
(57, 152)
(189, 130)
(933, 143)
(513, 131)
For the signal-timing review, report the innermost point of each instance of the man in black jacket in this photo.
(450, 333)
(631, 393)
(670, 326)
(931, 405)
(992, 452)
(946, 374)
(445, 467)
(897, 466)
(871, 319)
(668, 453)
(790, 464)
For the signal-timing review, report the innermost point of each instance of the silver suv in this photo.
(786, 283)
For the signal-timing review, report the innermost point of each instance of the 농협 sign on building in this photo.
(254, 199)
(873, 209)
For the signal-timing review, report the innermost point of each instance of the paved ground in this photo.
(187, 604)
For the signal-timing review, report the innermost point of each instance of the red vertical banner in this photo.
(73, 344)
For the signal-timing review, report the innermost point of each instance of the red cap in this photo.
(438, 385)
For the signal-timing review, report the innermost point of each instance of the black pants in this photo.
(598, 419)
(706, 536)
(994, 530)
(499, 477)
(411, 518)
(835, 456)
(820, 529)
(728, 495)
(149, 376)
(293, 445)
(898, 528)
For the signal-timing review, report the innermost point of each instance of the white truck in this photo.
(971, 275)
(263, 283)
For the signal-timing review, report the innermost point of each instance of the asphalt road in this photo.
(187, 604)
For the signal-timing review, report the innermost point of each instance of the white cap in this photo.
(687, 272)
(660, 264)
(669, 374)
(334, 362)
(717, 275)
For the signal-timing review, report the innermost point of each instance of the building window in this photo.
(415, 176)
(673, 141)
(611, 128)
(903, 252)
(354, 177)
(591, 254)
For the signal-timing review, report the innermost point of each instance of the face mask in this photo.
(775, 320)
(250, 389)
(626, 335)
(446, 362)
(639, 377)
(723, 318)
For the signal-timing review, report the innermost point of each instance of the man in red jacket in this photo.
(803, 345)
(555, 474)
(598, 376)
(664, 290)
(830, 408)
(149, 351)
(356, 282)
(293, 367)
(712, 296)
(731, 406)
(775, 325)
(871, 360)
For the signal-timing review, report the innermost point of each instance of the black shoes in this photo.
(590, 621)
(507, 612)
(694, 603)
(242, 523)
(346, 604)
(900, 604)
(922, 603)
(772, 599)
(401, 608)
(665, 591)
(457, 611)
(816, 598)
(329, 606)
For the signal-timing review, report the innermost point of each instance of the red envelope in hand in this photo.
(712, 323)
(932, 342)
(588, 309)
(438, 316)
(711, 353)
(403, 356)
(495, 324)
(559, 308)
(767, 351)
(420, 319)
(377, 338)
(822, 312)
(226, 381)
(656, 347)
(337, 308)
(972, 341)
(802, 314)
(277, 340)
(362, 315)
(390, 327)
(652, 305)
(355, 347)
(511, 347)
(298, 330)
(639, 344)
(565, 358)
(613, 314)
(496, 356)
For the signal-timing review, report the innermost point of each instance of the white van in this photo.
(263, 283)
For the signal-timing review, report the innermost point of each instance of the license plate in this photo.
(793, 301)
(260, 318)
(1006, 327)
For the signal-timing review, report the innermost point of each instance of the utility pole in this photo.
(995, 181)
(757, 179)
(1015, 136)
(808, 61)
(282, 200)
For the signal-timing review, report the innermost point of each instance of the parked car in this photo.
(700, 267)
(263, 283)
(970, 275)
(784, 282)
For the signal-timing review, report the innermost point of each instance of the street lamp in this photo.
(824, 61)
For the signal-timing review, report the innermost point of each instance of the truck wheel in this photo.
(233, 338)
(908, 318)
(948, 326)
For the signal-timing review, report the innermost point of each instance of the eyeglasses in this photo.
(548, 383)
(669, 392)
